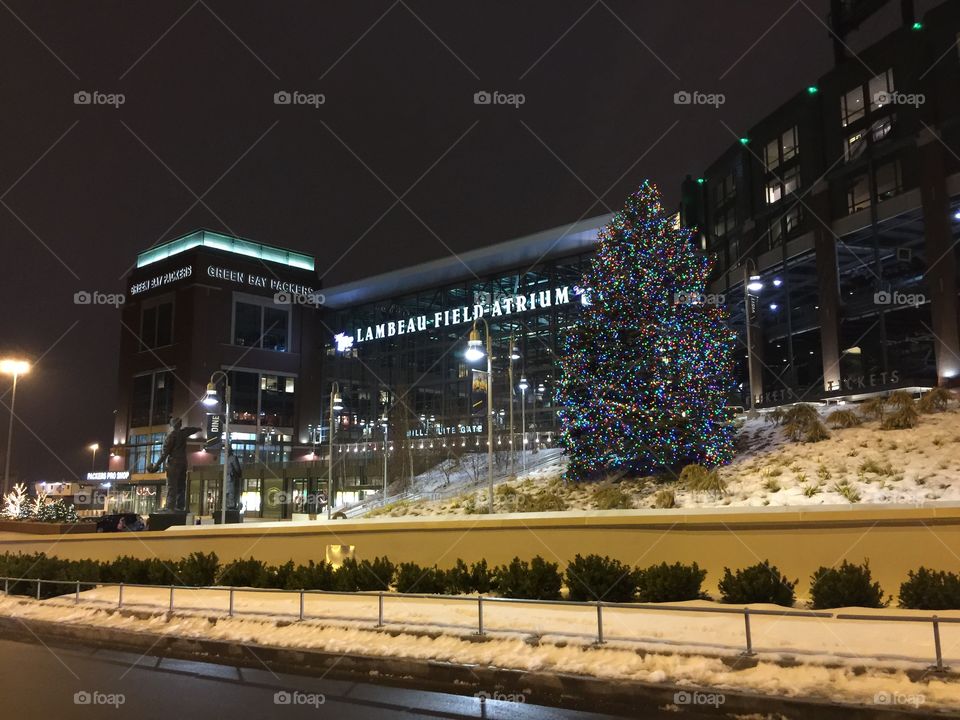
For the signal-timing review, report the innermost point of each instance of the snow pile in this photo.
(675, 652)
(866, 465)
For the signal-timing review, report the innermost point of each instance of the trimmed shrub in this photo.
(346, 578)
(802, 423)
(600, 578)
(930, 590)
(845, 586)
(536, 580)
(670, 583)
(313, 576)
(760, 583)
(246, 573)
(900, 399)
(199, 569)
(411, 578)
(457, 580)
(844, 419)
(481, 577)
(376, 575)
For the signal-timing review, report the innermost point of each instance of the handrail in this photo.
(598, 605)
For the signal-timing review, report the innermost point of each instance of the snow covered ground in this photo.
(865, 464)
(849, 661)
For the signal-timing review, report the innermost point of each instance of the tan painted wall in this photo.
(894, 539)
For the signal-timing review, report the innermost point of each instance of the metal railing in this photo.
(482, 600)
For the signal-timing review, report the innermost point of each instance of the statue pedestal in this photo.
(169, 518)
(233, 516)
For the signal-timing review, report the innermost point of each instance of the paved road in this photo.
(39, 681)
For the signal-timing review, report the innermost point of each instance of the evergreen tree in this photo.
(647, 366)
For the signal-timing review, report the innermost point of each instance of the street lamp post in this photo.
(16, 368)
(523, 421)
(475, 352)
(93, 461)
(751, 282)
(211, 399)
(386, 449)
(336, 404)
(514, 355)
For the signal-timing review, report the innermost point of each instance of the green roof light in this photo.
(227, 243)
(812, 89)
(918, 25)
(744, 141)
(701, 181)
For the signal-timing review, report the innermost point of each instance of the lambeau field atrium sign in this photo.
(508, 305)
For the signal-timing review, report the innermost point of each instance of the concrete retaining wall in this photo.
(895, 539)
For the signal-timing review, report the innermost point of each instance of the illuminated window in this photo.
(851, 106)
(854, 145)
(889, 182)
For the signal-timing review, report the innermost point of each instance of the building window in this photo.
(781, 149)
(777, 188)
(785, 226)
(261, 326)
(879, 129)
(889, 182)
(851, 106)
(156, 326)
(854, 145)
(724, 190)
(151, 400)
(724, 223)
(880, 89)
(858, 194)
(771, 155)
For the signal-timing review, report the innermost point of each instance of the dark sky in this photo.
(199, 142)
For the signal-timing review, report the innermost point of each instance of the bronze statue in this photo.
(174, 458)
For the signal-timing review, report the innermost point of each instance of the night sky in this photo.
(199, 142)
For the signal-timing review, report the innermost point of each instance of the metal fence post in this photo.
(120, 597)
(480, 615)
(6, 586)
(380, 610)
(599, 622)
(76, 597)
(231, 603)
(301, 604)
(746, 627)
(39, 583)
(936, 643)
(171, 598)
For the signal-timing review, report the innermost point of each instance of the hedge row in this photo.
(586, 578)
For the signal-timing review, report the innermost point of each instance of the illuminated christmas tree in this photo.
(647, 367)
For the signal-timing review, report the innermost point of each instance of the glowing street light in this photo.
(473, 353)
(16, 368)
(93, 447)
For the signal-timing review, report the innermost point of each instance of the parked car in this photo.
(119, 522)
